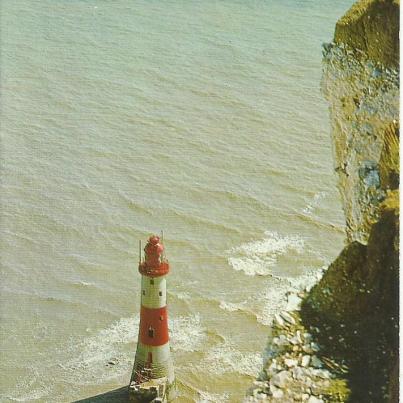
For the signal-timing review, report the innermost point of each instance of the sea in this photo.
(121, 119)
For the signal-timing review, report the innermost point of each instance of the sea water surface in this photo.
(123, 118)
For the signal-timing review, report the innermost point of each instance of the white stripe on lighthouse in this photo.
(162, 364)
(153, 292)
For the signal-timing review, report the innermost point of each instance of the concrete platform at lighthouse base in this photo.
(121, 395)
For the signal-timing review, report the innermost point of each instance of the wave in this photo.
(314, 203)
(183, 296)
(274, 298)
(271, 301)
(307, 280)
(187, 333)
(89, 364)
(196, 395)
(258, 257)
(207, 397)
(92, 354)
(225, 358)
(232, 307)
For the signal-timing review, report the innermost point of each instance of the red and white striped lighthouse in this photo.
(153, 373)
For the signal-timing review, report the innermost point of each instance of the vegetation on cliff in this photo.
(371, 29)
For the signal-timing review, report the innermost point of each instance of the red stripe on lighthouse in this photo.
(154, 326)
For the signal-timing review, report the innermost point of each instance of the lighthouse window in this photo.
(150, 332)
(152, 281)
(160, 293)
(161, 317)
(144, 292)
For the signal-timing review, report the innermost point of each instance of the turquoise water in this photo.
(119, 119)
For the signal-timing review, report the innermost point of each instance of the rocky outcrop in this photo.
(371, 30)
(361, 83)
(296, 368)
(356, 308)
(355, 305)
(351, 314)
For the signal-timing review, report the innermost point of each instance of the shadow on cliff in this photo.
(355, 310)
(114, 396)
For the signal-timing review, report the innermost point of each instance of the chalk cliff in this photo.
(361, 83)
(356, 302)
(351, 315)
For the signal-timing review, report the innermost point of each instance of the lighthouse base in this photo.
(153, 390)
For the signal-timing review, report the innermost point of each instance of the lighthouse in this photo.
(153, 378)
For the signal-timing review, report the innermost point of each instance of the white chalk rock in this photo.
(315, 347)
(279, 320)
(314, 399)
(316, 362)
(289, 362)
(272, 368)
(288, 318)
(293, 303)
(322, 373)
(305, 360)
(308, 337)
(278, 394)
(297, 338)
(298, 373)
(280, 379)
(256, 392)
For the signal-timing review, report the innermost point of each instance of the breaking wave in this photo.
(96, 351)
(187, 333)
(258, 257)
(232, 307)
(225, 358)
(314, 203)
(207, 397)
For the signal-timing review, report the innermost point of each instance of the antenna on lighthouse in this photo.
(162, 241)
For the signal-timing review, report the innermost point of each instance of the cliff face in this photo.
(342, 343)
(371, 28)
(355, 305)
(361, 83)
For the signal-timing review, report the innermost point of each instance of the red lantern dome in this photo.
(154, 264)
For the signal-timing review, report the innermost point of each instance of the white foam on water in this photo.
(225, 358)
(307, 280)
(85, 283)
(232, 307)
(187, 333)
(91, 363)
(258, 257)
(27, 389)
(183, 296)
(314, 203)
(273, 300)
(207, 397)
